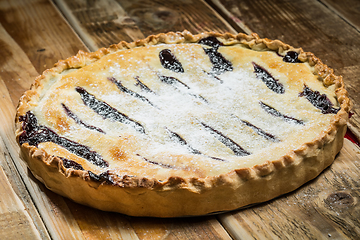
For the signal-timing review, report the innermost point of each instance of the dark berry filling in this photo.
(276, 113)
(35, 134)
(169, 61)
(291, 57)
(79, 121)
(172, 81)
(142, 85)
(122, 88)
(212, 42)
(272, 83)
(219, 62)
(157, 163)
(261, 132)
(106, 111)
(236, 148)
(212, 75)
(177, 138)
(179, 85)
(102, 177)
(71, 164)
(320, 101)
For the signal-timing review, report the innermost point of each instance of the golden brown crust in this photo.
(142, 196)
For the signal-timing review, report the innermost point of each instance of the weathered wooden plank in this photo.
(16, 219)
(105, 225)
(101, 23)
(349, 10)
(40, 31)
(180, 228)
(325, 208)
(308, 24)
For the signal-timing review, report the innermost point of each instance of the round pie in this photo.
(182, 125)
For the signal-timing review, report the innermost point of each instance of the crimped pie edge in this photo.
(189, 196)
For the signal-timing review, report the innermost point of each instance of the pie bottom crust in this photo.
(178, 196)
(226, 192)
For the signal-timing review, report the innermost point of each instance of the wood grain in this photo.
(308, 24)
(325, 208)
(15, 220)
(101, 23)
(347, 9)
(16, 70)
(40, 31)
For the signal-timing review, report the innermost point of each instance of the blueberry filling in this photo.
(79, 121)
(169, 61)
(276, 113)
(211, 41)
(122, 88)
(102, 177)
(179, 85)
(291, 57)
(157, 163)
(219, 62)
(261, 132)
(177, 138)
(106, 111)
(142, 85)
(173, 81)
(272, 83)
(212, 75)
(320, 101)
(71, 164)
(35, 134)
(236, 148)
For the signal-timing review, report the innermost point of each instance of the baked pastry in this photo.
(181, 125)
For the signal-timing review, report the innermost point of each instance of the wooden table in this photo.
(34, 34)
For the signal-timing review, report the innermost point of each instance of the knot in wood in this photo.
(339, 200)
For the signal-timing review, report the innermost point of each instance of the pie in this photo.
(182, 125)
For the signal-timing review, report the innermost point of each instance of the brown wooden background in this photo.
(35, 34)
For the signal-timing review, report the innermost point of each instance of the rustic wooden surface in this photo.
(34, 34)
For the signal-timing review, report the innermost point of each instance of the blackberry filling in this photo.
(35, 134)
(169, 61)
(122, 88)
(177, 138)
(157, 163)
(236, 148)
(71, 164)
(102, 177)
(261, 132)
(320, 101)
(272, 83)
(276, 113)
(106, 111)
(219, 62)
(79, 121)
(291, 57)
(212, 42)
